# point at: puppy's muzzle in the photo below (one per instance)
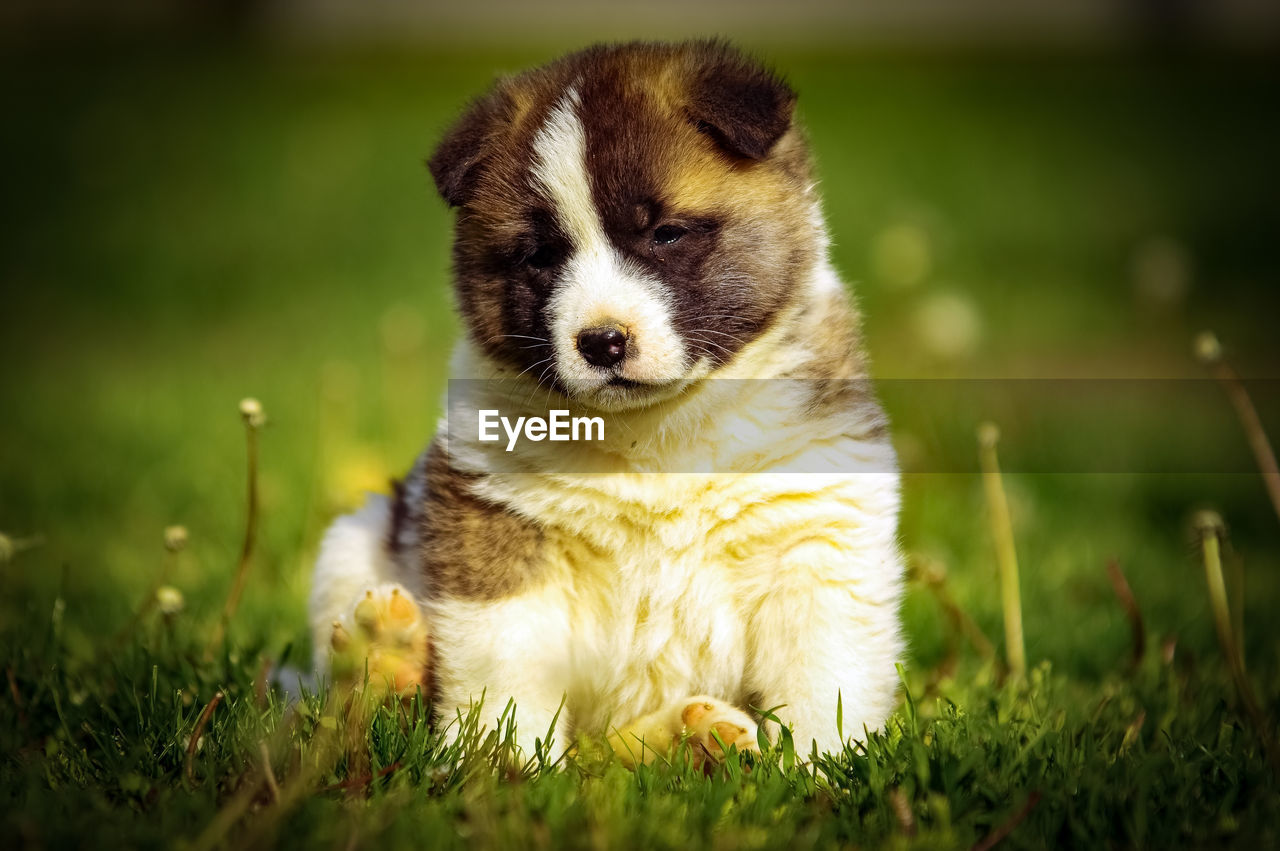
(604, 346)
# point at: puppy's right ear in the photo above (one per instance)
(464, 147)
(741, 104)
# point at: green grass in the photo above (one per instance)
(179, 231)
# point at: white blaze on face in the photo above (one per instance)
(597, 286)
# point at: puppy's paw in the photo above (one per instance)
(385, 636)
(712, 727)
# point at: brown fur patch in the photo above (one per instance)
(400, 513)
(471, 548)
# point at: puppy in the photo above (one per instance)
(638, 238)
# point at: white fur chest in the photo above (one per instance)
(661, 578)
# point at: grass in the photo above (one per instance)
(180, 231)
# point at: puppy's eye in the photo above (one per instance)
(544, 256)
(668, 234)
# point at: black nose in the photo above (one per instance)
(603, 346)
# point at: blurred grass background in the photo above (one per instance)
(188, 220)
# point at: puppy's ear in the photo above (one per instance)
(464, 147)
(739, 103)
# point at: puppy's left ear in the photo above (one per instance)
(464, 147)
(740, 103)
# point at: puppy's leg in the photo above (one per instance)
(385, 639)
(827, 634)
(708, 724)
(515, 649)
(360, 616)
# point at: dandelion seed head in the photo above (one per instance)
(251, 410)
(948, 325)
(175, 538)
(1207, 348)
(1207, 521)
(170, 600)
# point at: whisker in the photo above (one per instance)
(713, 331)
(517, 337)
(733, 338)
(537, 382)
(694, 334)
(714, 345)
(533, 366)
(728, 353)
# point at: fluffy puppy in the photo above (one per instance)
(638, 236)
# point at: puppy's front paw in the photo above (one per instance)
(386, 635)
(713, 726)
(710, 726)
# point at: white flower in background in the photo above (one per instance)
(169, 599)
(251, 411)
(1207, 348)
(948, 326)
(175, 538)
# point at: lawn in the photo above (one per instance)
(181, 229)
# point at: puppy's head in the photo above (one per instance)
(629, 217)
